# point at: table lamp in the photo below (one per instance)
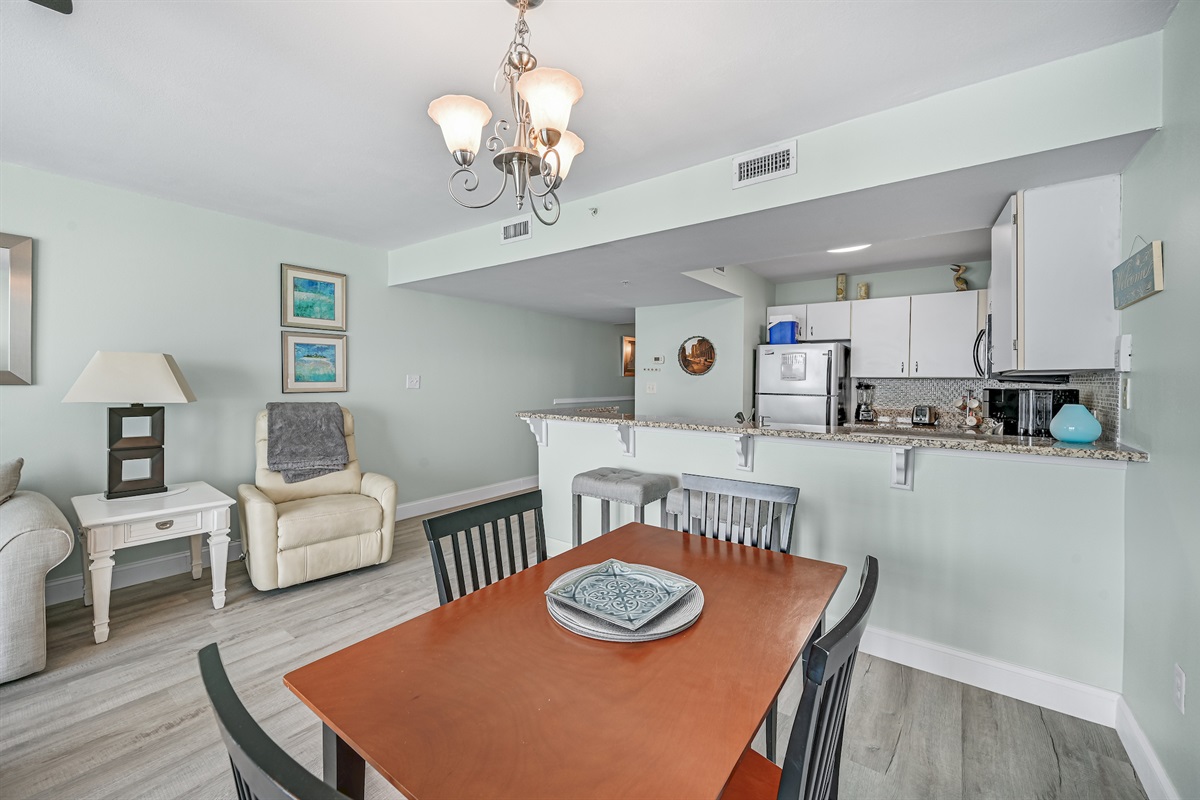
(135, 450)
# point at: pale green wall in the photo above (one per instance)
(661, 330)
(121, 271)
(899, 283)
(984, 555)
(1106, 92)
(735, 328)
(1161, 199)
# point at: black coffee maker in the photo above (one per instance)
(1027, 412)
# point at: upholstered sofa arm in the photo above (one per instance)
(383, 489)
(260, 533)
(27, 512)
(34, 536)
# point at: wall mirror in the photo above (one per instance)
(16, 309)
(697, 355)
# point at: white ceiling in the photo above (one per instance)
(312, 114)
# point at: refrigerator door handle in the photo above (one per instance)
(828, 372)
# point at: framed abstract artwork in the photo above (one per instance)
(312, 298)
(313, 362)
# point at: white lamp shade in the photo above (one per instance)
(567, 148)
(462, 119)
(550, 94)
(131, 378)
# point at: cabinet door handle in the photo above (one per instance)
(901, 367)
(810, 331)
(165, 524)
(916, 367)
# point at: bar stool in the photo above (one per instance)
(609, 484)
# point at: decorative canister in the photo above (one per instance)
(1074, 423)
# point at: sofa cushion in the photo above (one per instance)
(10, 478)
(321, 519)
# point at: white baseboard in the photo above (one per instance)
(431, 505)
(1145, 761)
(60, 590)
(1011, 680)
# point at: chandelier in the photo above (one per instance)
(542, 149)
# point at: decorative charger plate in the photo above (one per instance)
(628, 595)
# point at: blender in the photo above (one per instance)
(863, 411)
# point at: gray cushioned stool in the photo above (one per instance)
(614, 484)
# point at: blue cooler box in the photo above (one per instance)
(784, 333)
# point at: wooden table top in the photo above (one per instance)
(488, 697)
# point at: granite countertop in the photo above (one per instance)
(879, 433)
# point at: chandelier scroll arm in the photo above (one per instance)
(550, 202)
(549, 176)
(470, 184)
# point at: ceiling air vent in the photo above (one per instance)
(514, 230)
(764, 164)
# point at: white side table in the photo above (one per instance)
(105, 526)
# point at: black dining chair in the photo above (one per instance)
(261, 768)
(812, 762)
(482, 536)
(754, 514)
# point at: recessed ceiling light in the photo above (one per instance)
(850, 249)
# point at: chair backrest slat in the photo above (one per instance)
(261, 769)
(811, 763)
(732, 510)
(487, 532)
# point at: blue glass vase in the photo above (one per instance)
(1074, 423)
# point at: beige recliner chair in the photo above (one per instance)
(297, 532)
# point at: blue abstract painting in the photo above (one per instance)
(313, 299)
(315, 363)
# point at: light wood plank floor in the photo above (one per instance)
(129, 719)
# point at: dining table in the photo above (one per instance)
(488, 697)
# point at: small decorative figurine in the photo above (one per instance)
(841, 287)
(960, 283)
(864, 291)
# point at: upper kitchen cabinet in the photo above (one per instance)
(944, 334)
(828, 321)
(819, 322)
(1050, 291)
(879, 344)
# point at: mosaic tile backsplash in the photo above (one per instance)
(1099, 391)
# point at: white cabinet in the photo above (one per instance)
(828, 321)
(943, 332)
(879, 338)
(1051, 281)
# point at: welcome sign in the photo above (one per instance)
(1139, 276)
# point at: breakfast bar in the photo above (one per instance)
(1012, 550)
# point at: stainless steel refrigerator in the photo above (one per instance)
(802, 386)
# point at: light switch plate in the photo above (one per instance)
(412, 381)
(651, 388)
(1123, 359)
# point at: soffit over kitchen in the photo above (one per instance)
(937, 219)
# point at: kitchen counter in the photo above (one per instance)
(892, 434)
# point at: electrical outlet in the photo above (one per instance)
(651, 388)
(1126, 393)
(1180, 687)
(412, 381)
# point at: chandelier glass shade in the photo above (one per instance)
(539, 157)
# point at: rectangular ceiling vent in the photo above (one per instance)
(514, 230)
(764, 164)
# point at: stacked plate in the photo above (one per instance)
(619, 602)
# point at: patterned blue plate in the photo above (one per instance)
(629, 595)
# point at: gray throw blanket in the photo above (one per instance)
(305, 440)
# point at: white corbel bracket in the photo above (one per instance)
(625, 439)
(743, 449)
(902, 468)
(540, 428)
